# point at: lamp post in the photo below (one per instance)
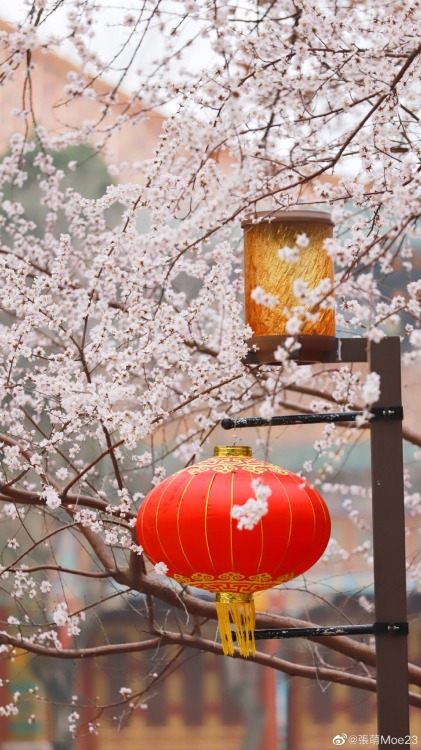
(318, 344)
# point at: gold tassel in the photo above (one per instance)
(237, 609)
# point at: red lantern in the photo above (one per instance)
(186, 522)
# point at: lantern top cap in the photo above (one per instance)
(271, 217)
(232, 450)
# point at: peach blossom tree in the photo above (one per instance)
(121, 326)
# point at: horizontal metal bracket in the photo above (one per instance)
(376, 414)
(376, 628)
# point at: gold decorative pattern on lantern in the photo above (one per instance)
(230, 577)
(227, 465)
(232, 582)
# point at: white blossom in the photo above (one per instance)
(250, 513)
(51, 497)
(11, 510)
(161, 568)
(300, 289)
(266, 299)
(12, 456)
(302, 240)
(73, 718)
(60, 614)
(370, 390)
(293, 325)
(62, 473)
(289, 254)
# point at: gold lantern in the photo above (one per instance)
(264, 235)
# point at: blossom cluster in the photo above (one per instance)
(249, 513)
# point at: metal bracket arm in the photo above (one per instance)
(377, 414)
(376, 628)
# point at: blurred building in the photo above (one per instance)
(184, 698)
(131, 141)
(330, 708)
(29, 729)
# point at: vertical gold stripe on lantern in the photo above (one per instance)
(158, 507)
(279, 566)
(232, 520)
(178, 521)
(310, 500)
(261, 530)
(206, 520)
(262, 545)
(263, 268)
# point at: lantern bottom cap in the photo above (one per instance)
(226, 597)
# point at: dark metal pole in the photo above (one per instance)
(289, 419)
(387, 512)
(392, 628)
(395, 412)
(389, 545)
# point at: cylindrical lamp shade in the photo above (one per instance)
(263, 268)
(186, 522)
